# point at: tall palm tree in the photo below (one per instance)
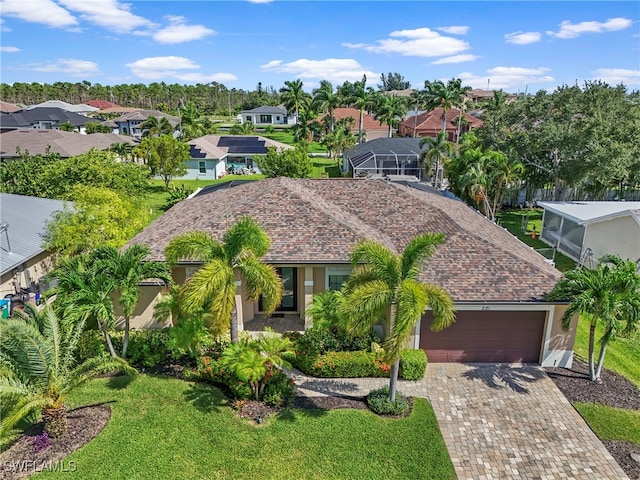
(437, 94)
(439, 150)
(507, 171)
(84, 293)
(293, 97)
(39, 369)
(608, 295)
(213, 286)
(390, 109)
(127, 269)
(325, 99)
(362, 98)
(476, 181)
(385, 284)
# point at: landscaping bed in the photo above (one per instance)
(616, 392)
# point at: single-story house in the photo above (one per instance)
(81, 108)
(429, 124)
(371, 127)
(213, 156)
(66, 144)
(129, 123)
(43, 118)
(498, 283)
(23, 260)
(267, 115)
(385, 156)
(585, 231)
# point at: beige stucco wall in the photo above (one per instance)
(619, 235)
(560, 339)
(319, 280)
(25, 274)
(143, 314)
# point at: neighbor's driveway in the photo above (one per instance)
(498, 421)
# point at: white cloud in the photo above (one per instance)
(171, 67)
(507, 77)
(108, 14)
(70, 66)
(573, 30)
(615, 76)
(468, 57)
(332, 69)
(420, 42)
(46, 12)
(7, 49)
(180, 32)
(455, 29)
(522, 38)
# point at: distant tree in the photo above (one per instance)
(24, 177)
(154, 127)
(244, 128)
(67, 127)
(97, 127)
(341, 138)
(608, 295)
(439, 150)
(294, 97)
(390, 109)
(359, 96)
(393, 81)
(124, 150)
(99, 216)
(289, 163)
(165, 156)
(437, 94)
(325, 99)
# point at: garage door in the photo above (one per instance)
(485, 337)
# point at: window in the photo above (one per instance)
(265, 118)
(202, 167)
(336, 277)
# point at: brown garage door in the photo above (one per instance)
(485, 337)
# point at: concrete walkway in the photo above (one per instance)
(498, 421)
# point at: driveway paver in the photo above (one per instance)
(498, 421)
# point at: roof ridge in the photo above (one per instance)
(464, 227)
(332, 210)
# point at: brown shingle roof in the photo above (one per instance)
(432, 120)
(368, 122)
(320, 220)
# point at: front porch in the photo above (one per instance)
(279, 322)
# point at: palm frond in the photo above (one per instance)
(444, 312)
(21, 409)
(365, 305)
(194, 246)
(246, 234)
(384, 264)
(417, 252)
(261, 279)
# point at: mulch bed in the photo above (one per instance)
(21, 460)
(613, 391)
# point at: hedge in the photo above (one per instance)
(413, 364)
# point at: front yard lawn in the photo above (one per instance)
(168, 428)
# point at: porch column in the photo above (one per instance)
(308, 296)
(238, 300)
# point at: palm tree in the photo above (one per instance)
(390, 109)
(304, 127)
(293, 97)
(439, 95)
(123, 150)
(507, 171)
(39, 368)
(385, 283)
(608, 295)
(476, 181)
(325, 99)
(361, 97)
(440, 149)
(154, 127)
(214, 285)
(84, 293)
(127, 269)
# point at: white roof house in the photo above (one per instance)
(589, 230)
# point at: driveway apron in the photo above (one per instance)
(498, 421)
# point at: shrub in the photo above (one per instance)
(147, 348)
(279, 389)
(190, 337)
(343, 365)
(319, 340)
(378, 401)
(90, 345)
(413, 364)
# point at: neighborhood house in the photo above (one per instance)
(498, 283)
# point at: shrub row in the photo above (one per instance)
(413, 364)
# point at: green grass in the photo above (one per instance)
(286, 136)
(622, 353)
(167, 428)
(611, 423)
(512, 220)
(325, 167)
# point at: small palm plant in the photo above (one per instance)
(38, 367)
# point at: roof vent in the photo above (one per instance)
(4, 227)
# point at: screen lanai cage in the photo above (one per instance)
(370, 164)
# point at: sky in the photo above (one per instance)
(522, 46)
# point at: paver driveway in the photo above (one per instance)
(498, 422)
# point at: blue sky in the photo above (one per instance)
(516, 46)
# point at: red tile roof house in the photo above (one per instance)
(371, 127)
(498, 283)
(429, 124)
